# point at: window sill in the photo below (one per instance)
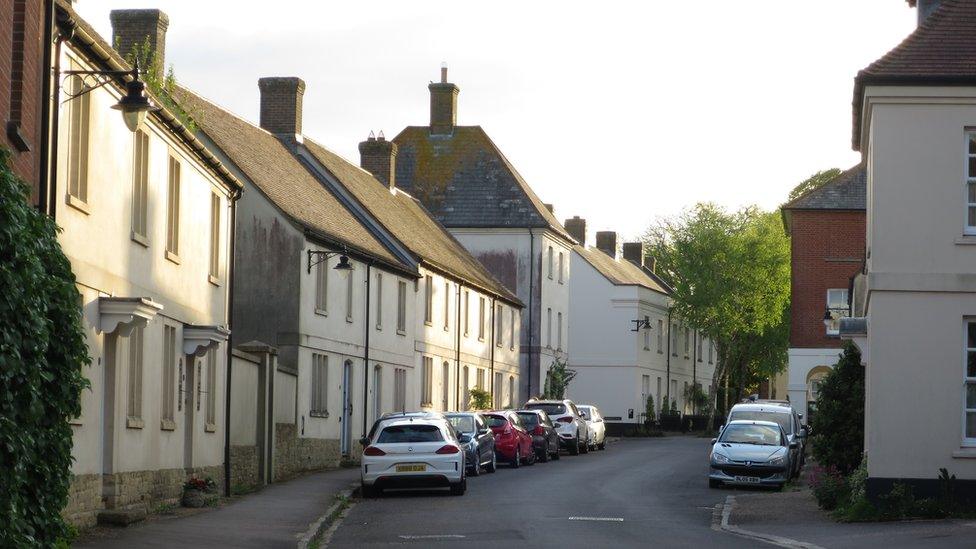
(167, 425)
(447, 328)
(481, 339)
(660, 352)
(173, 257)
(966, 452)
(213, 280)
(349, 319)
(320, 414)
(134, 423)
(77, 204)
(966, 240)
(379, 327)
(647, 348)
(401, 332)
(428, 323)
(139, 239)
(210, 428)
(75, 422)
(321, 312)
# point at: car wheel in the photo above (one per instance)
(712, 483)
(531, 459)
(574, 448)
(367, 492)
(476, 470)
(493, 464)
(459, 488)
(555, 454)
(544, 456)
(517, 461)
(585, 447)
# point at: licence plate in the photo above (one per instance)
(747, 480)
(416, 468)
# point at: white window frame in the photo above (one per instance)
(446, 385)
(427, 383)
(379, 301)
(550, 262)
(969, 185)
(319, 406)
(467, 310)
(969, 346)
(134, 370)
(497, 389)
(429, 300)
(838, 309)
(480, 378)
(447, 305)
(401, 307)
(660, 336)
(140, 187)
(79, 137)
(481, 318)
(399, 390)
(560, 267)
(559, 331)
(499, 325)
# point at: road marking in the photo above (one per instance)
(724, 526)
(434, 536)
(598, 519)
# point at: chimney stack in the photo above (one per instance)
(925, 8)
(281, 105)
(576, 227)
(134, 28)
(549, 207)
(378, 157)
(443, 105)
(634, 252)
(606, 242)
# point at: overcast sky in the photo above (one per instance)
(616, 111)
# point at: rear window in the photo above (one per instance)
(782, 418)
(551, 408)
(529, 419)
(410, 433)
(462, 424)
(496, 421)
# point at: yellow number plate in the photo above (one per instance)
(411, 468)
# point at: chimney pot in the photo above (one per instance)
(378, 157)
(443, 105)
(606, 242)
(281, 104)
(132, 29)
(634, 252)
(576, 227)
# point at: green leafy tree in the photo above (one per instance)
(558, 378)
(815, 181)
(839, 421)
(730, 275)
(649, 415)
(161, 85)
(42, 352)
(480, 399)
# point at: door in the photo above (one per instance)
(192, 401)
(377, 391)
(346, 419)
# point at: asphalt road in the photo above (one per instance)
(637, 493)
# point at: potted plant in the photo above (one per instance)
(195, 491)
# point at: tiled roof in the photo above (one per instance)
(285, 181)
(847, 191)
(941, 51)
(619, 273)
(407, 220)
(466, 181)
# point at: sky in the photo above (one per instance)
(617, 111)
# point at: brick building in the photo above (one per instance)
(826, 228)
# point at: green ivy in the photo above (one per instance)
(42, 352)
(558, 378)
(162, 86)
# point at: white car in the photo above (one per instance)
(594, 420)
(571, 428)
(413, 452)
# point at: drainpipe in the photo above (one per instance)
(230, 340)
(491, 360)
(47, 93)
(531, 307)
(694, 368)
(667, 387)
(457, 349)
(369, 266)
(51, 181)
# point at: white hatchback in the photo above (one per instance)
(598, 429)
(413, 453)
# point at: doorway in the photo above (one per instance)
(345, 436)
(189, 416)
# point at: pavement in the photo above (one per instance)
(277, 516)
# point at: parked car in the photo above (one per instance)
(413, 452)
(594, 420)
(545, 441)
(782, 414)
(571, 428)
(477, 441)
(397, 415)
(512, 443)
(751, 453)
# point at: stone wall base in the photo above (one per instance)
(295, 455)
(244, 468)
(84, 500)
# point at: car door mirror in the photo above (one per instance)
(483, 431)
(714, 440)
(464, 438)
(364, 441)
(794, 446)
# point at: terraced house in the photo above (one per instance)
(464, 180)
(146, 215)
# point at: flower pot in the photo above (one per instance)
(193, 498)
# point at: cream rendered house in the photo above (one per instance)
(146, 219)
(915, 306)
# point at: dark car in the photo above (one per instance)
(477, 441)
(545, 440)
(512, 443)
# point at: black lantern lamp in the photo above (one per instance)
(134, 104)
(318, 256)
(828, 317)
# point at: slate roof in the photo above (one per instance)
(466, 181)
(283, 180)
(622, 272)
(847, 191)
(407, 220)
(941, 51)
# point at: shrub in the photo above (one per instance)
(558, 378)
(829, 487)
(649, 410)
(480, 399)
(839, 421)
(42, 351)
(898, 503)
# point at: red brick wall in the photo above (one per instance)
(827, 250)
(21, 71)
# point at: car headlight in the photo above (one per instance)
(779, 460)
(719, 458)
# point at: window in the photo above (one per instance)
(481, 318)
(400, 390)
(711, 349)
(674, 340)
(447, 306)
(687, 341)
(837, 307)
(140, 186)
(466, 382)
(322, 287)
(499, 325)
(214, 237)
(645, 389)
(169, 377)
(549, 328)
(377, 391)
(211, 419)
(173, 211)
(428, 300)
(427, 384)
(560, 267)
(647, 333)
(133, 409)
(320, 385)
(480, 379)
(511, 391)
(446, 386)
(498, 388)
(379, 301)
(674, 392)
(79, 127)
(698, 351)
(511, 328)
(660, 336)
(971, 183)
(969, 385)
(550, 263)
(349, 289)
(559, 331)
(467, 310)
(401, 307)
(657, 394)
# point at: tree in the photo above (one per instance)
(730, 276)
(480, 399)
(839, 420)
(815, 181)
(42, 352)
(558, 378)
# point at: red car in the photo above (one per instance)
(512, 442)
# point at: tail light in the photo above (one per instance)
(538, 430)
(373, 451)
(448, 449)
(565, 419)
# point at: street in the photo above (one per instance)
(635, 493)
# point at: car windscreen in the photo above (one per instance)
(765, 435)
(782, 418)
(410, 433)
(462, 424)
(496, 421)
(551, 408)
(529, 419)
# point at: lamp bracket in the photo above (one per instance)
(641, 323)
(320, 256)
(92, 80)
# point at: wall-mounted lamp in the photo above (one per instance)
(134, 104)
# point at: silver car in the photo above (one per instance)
(782, 414)
(751, 453)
